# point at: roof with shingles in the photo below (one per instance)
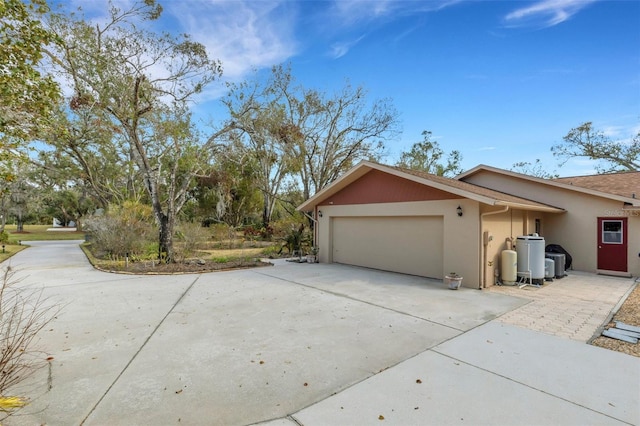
(479, 190)
(467, 190)
(625, 184)
(615, 187)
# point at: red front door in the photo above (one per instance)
(612, 244)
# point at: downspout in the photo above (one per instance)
(485, 242)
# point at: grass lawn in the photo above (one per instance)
(10, 250)
(40, 233)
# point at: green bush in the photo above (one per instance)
(4, 237)
(271, 251)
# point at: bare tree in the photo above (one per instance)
(263, 135)
(307, 135)
(585, 141)
(535, 169)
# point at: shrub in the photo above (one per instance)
(219, 231)
(283, 227)
(271, 251)
(24, 312)
(296, 240)
(123, 230)
(250, 232)
(4, 237)
(192, 236)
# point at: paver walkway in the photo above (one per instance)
(573, 307)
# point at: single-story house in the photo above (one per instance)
(405, 221)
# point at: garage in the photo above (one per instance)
(406, 244)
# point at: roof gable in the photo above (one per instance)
(379, 187)
(447, 185)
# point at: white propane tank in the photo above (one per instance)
(549, 269)
(530, 249)
(509, 266)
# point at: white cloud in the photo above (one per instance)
(546, 13)
(612, 131)
(351, 12)
(243, 35)
(340, 49)
(363, 16)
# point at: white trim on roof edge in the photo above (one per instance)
(481, 167)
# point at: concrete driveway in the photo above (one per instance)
(303, 344)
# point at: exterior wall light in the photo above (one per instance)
(459, 210)
(320, 213)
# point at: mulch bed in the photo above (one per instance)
(187, 267)
(629, 313)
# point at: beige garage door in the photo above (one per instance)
(411, 245)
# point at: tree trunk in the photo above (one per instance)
(20, 224)
(266, 211)
(165, 246)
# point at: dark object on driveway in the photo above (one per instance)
(556, 248)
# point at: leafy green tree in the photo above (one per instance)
(229, 193)
(586, 141)
(68, 205)
(140, 84)
(18, 194)
(85, 151)
(26, 95)
(427, 156)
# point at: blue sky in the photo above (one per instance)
(500, 81)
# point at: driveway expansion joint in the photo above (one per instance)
(135, 355)
(345, 296)
(521, 383)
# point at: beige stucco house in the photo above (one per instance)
(388, 218)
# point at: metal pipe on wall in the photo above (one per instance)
(482, 283)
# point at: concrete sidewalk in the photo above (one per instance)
(494, 374)
(309, 344)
